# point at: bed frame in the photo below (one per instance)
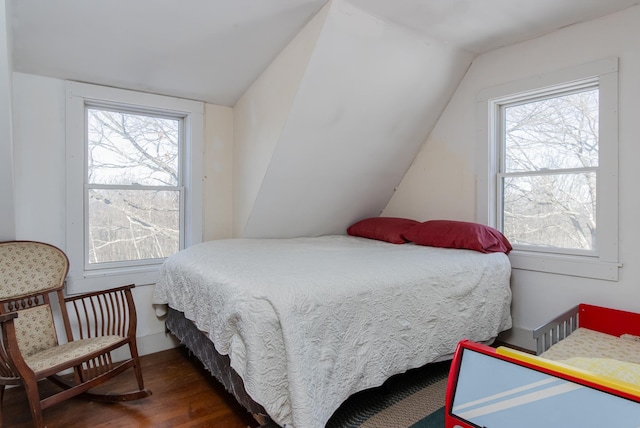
(502, 387)
(605, 320)
(217, 364)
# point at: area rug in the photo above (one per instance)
(411, 400)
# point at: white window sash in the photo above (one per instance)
(603, 264)
(89, 267)
(81, 95)
(500, 213)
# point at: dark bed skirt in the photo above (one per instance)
(218, 365)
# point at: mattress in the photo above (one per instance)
(600, 353)
(306, 322)
(586, 343)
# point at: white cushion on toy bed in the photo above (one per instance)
(593, 344)
(619, 370)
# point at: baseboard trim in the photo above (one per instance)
(149, 344)
(156, 342)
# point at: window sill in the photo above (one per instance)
(585, 267)
(109, 278)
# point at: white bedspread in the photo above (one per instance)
(307, 322)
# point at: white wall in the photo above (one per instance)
(39, 157)
(261, 114)
(442, 181)
(370, 94)
(39, 175)
(7, 215)
(218, 178)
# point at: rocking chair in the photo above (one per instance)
(30, 351)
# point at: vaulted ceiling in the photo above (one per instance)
(363, 97)
(212, 50)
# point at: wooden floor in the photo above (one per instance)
(184, 395)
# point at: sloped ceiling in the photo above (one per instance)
(482, 26)
(207, 50)
(212, 50)
(379, 75)
(369, 95)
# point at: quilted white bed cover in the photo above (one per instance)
(307, 322)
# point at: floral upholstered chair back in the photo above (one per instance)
(29, 271)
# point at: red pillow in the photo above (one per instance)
(458, 234)
(387, 229)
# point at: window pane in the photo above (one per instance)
(551, 210)
(126, 148)
(133, 224)
(554, 133)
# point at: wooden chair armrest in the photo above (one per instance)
(11, 359)
(99, 292)
(102, 313)
(7, 317)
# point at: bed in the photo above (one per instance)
(588, 360)
(306, 322)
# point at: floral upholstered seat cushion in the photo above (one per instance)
(66, 352)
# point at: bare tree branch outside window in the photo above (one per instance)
(550, 171)
(133, 186)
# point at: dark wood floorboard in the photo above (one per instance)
(184, 395)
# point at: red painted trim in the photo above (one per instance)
(452, 422)
(609, 321)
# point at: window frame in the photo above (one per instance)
(501, 105)
(79, 97)
(602, 263)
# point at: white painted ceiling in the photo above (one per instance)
(212, 50)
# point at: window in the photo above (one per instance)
(133, 183)
(551, 170)
(548, 170)
(134, 190)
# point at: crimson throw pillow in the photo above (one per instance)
(387, 229)
(458, 234)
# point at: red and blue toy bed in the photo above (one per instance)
(501, 387)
